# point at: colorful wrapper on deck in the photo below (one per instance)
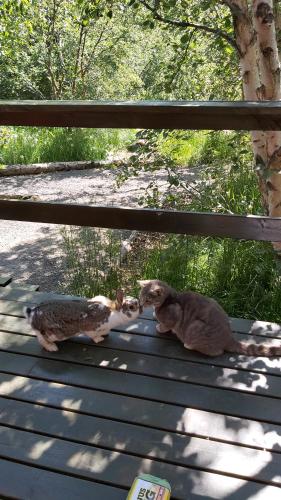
(146, 487)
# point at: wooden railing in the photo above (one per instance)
(160, 115)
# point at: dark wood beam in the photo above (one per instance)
(163, 221)
(212, 115)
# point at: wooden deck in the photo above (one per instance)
(82, 423)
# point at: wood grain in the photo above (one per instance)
(154, 220)
(24, 482)
(165, 347)
(212, 374)
(5, 280)
(140, 441)
(148, 414)
(146, 388)
(251, 327)
(215, 115)
(119, 469)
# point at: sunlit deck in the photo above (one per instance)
(82, 423)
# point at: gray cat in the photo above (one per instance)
(198, 321)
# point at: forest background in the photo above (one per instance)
(150, 50)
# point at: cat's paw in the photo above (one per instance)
(162, 329)
(98, 339)
(51, 347)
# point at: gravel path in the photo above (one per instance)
(31, 252)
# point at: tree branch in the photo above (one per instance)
(90, 57)
(187, 24)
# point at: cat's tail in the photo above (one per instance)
(252, 349)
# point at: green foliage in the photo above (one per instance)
(115, 50)
(231, 190)
(183, 148)
(229, 183)
(191, 148)
(33, 145)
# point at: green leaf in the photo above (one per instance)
(147, 23)
(184, 38)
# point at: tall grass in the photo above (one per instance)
(242, 276)
(33, 145)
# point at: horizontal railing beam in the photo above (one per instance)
(192, 115)
(163, 221)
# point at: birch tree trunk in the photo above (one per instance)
(254, 27)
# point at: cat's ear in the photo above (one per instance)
(143, 283)
(119, 298)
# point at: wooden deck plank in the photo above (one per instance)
(236, 403)
(25, 286)
(166, 348)
(22, 295)
(142, 402)
(5, 280)
(118, 468)
(139, 326)
(184, 394)
(256, 328)
(187, 421)
(126, 438)
(25, 482)
(186, 371)
(14, 307)
(10, 362)
(142, 327)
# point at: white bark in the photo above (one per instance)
(268, 60)
(254, 26)
(252, 88)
